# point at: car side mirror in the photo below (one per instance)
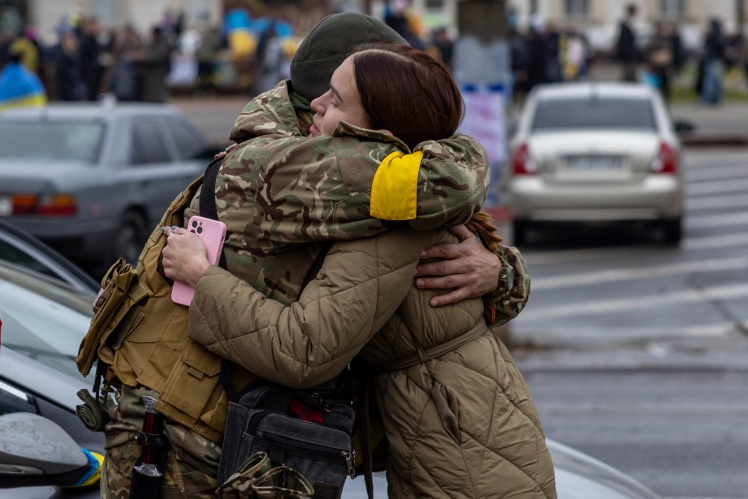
(35, 451)
(682, 126)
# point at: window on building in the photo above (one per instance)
(672, 9)
(434, 4)
(577, 8)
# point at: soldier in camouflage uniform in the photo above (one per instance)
(268, 262)
(442, 378)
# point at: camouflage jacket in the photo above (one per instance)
(279, 188)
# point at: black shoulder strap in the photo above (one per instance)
(208, 209)
(208, 191)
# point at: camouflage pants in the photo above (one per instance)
(192, 460)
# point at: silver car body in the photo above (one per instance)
(84, 177)
(21, 248)
(43, 323)
(595, 152)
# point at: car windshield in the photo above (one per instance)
(45, 139)
(597, 112)
(47, 325)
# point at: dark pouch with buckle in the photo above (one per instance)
(300, 429)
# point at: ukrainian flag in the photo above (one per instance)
(20, 87)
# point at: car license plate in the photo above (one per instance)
(6, 206)
(593, 163)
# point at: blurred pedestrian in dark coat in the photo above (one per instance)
(659, 58)
(713, 69)
(69, 84)
(154, 67)
(626, 50)
(90, 57)
(543, 64)
(125, 80)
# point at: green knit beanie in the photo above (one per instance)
(328, 44)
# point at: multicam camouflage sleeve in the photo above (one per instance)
(301, 189)
(513, 290)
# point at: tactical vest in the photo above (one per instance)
(141, 336)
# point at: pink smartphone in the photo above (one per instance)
(212, 232)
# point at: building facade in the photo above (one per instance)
(598, 18)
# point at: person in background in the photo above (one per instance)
(519, 51)
(211, 42)
(444, 46)
(269, 60)
(713, 65)
(26, 47)
(90, 57)
(543, 48)
(659, 59)
(125, 80)
(575, 55)
(677, 49)
(69, 85)
(154, 67)
(626, 51)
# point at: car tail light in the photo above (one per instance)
(56, 205)
(522, 163)
(666, 161)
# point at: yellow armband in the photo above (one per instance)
(395, 186)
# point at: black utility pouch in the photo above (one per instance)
(299, 429)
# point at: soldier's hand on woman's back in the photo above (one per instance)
(468, 268)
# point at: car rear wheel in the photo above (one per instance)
(672, 231)
(129, 238)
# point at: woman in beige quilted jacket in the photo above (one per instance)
(458, 417)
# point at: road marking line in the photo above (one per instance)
(716, 172)
(706, 203)
(718, 186)
(594, 334)
(638, 303)
(628, 274)
(719, 220)
(708, 242)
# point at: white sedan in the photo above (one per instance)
(595, 152)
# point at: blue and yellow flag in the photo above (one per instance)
(20, 87)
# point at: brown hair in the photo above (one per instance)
(407, 92)
(481, 224)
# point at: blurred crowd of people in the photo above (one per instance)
(542, 53)
(87, 61)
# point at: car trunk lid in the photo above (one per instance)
(594, 156)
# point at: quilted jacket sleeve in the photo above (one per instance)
(359, 287)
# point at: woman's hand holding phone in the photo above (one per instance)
(188, 253)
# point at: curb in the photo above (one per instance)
(713, 140)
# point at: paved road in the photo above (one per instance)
(632, 383)
(637, 353)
